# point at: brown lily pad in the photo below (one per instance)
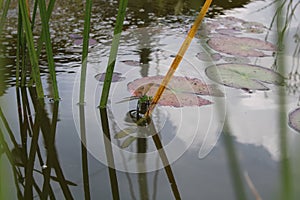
(181, 91)
(240, 46)
(133, 63)
(294, 119)
(116, 77)
(208, 58)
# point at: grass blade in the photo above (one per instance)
(285, 165)
(85, 48)
(113, 53)
(4, 14)
(46, 36)
(32, 52)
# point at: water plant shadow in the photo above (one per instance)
(25, 154)
(140, 158)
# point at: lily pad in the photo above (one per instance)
(133, 63)
(243, 76)
(240, 46)
(253, 27)
(115, 78)
(181, 91)
(294, 119)
(236, 59)
(225, 31)
(206, 58)
(79, 42)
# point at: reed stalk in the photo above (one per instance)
(113, 53)
(285, 165)
(109, 154)
(31, 49)
(233, 164)
(19, 50)
(4, 14)
(46, 37)
(85, 48)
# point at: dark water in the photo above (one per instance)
(74, 162)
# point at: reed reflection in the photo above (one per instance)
(29, 163)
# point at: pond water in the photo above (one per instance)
(69, 158)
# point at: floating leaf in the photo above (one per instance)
(229, 21)
(243, 76)
(236, 59)
(79, 42)
(294, 119)
(75, 36)
(128, 141)
(240, 46)
(230, 26)
(253, 27)
(207, 58)
(131, 62)
(225, 31)
(115, 78)
(181, 91)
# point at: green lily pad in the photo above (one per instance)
(243, 76)
(294, 119)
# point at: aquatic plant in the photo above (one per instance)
(113, 53)
(26, 47)
(85, 46)
(244, 76)
(179, 56)
(48, 45)
(207, 58)
(25, 26)
(116, 77)
(133, 63)
(78, 39)
(240, 46)
(294, 119)
(181, 91)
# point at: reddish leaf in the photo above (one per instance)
(181, 91)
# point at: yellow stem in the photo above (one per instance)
(178, 57)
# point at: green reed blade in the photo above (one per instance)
(34, 14)
(21, 52)
(285, 164)
(234, 166)
(48, 44)
(48, 14)
(85, 49)
(4, 14)
(31, 49)
(113, 52)
(18, 52)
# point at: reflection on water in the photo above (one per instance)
(49, 156)
(34, 162)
